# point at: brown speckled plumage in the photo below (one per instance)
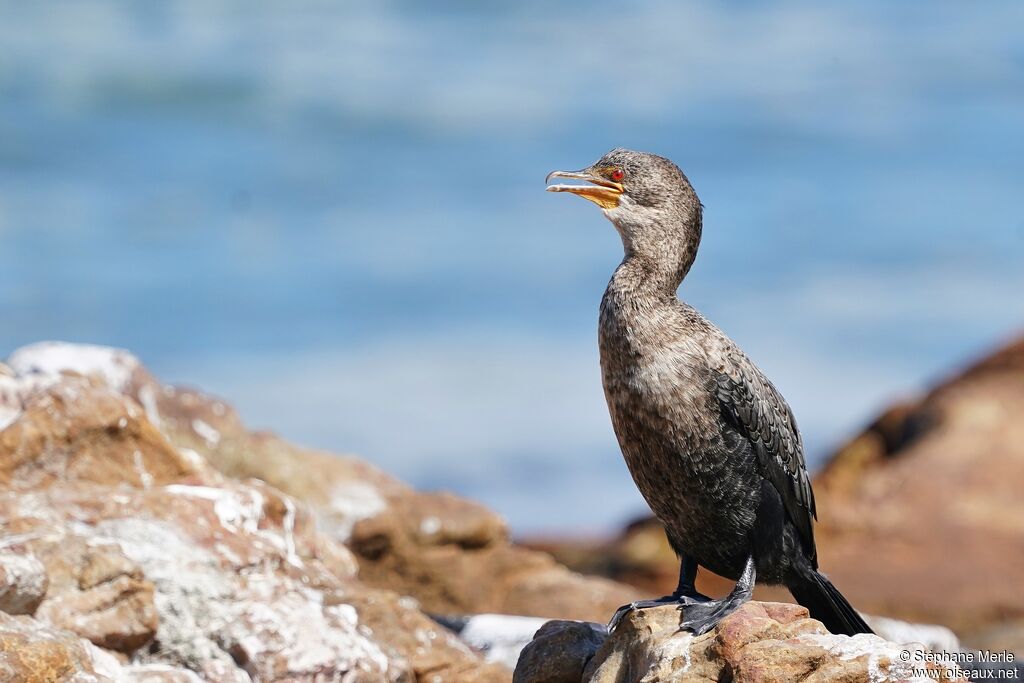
(711, 444)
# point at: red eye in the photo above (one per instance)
(617, 174)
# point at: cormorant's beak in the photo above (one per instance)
(604, 193)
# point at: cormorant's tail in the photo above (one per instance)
(826, 603)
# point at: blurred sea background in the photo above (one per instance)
(332, 214)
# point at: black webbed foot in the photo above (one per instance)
(700, 613)
(685, 602)
(701, 617)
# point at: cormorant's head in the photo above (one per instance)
(647, 198)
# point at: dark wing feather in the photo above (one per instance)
(760, 414)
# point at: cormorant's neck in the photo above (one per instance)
(658, 258)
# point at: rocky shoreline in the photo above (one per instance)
(147, 535)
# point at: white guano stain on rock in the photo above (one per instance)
(930, 636)
(676, 647)
(145, 478)
(157, 673)
(206, 432)
(288, 533)
(885, 663)
(14, 391)
(49, 359)
(193, 597)
(232, 510)
(23, 582)
(350, 502)
(147, 397)
(286, 629)
(430, 525)
(193, 458)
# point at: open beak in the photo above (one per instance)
(604, 193)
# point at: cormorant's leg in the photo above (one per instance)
(686, 589)
(684, 594)
(702, 617)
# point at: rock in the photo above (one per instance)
(97, 593)
(233, 585)
(188, 574)
(50, 361)
(279, 631)
(559, 652)
(948, 466)
(760, 642)
(23, 583)
(469, 569)
(31, 652)
(74, 429)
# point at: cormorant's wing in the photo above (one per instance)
(759, 413)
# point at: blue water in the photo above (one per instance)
(334, 216)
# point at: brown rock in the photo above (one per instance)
(149, 551)
(450, 578)
(933, 488)
(23, 583)
(77, 430)
(31, 652)
(96, 592)
(238, 586)
(117, 615)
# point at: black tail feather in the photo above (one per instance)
(827, 604)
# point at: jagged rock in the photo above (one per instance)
(97, 593)
(452, 558)
(760, 642)
(23, 583)
(75, 429)
(938, 476)
(32, 652)
(155, 554)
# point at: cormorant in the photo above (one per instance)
(710, 442)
